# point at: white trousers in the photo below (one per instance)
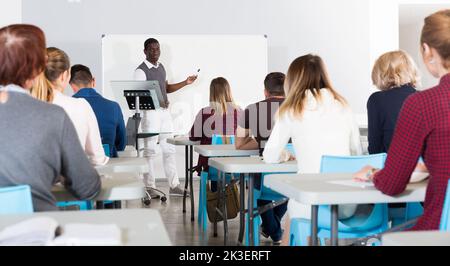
(159, 121)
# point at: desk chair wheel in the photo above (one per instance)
(146, 201)
(153, 193)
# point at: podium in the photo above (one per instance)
(139, 96)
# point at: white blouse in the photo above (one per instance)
(325, 128)
(85, 122)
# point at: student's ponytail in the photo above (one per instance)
(42, 89)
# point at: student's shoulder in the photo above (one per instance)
(51, 115)
(377, 96)
(44, 109)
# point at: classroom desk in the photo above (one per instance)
(228, 150)
(245, 166)
(129, 152)
(124, 165)
(316, 189)
(188, 164)
(140, 227)
(115, 187)
(424, 238)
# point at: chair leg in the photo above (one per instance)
(300, 231)
(200, 201)
(202, 212)
(256, 225)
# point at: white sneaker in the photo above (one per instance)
(178, 192)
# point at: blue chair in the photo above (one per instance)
(16, 200)
(445, 218)
(211, 175)
(107, 150)
(263, 193)
(355, 226)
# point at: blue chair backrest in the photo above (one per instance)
(221, 139)
(445, 218)
(107, 150)
(16, 200)
(350, 164)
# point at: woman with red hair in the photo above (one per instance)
(38, 141)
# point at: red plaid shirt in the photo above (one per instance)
(423, 129)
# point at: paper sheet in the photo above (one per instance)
(352, 183)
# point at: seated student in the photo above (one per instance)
(319, 122)
(38, 140)
(50, 87)
(254, 127)
(423, 129)
(219, 118)
(108, 113)
(395, 74)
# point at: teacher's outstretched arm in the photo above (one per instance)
(174, 87)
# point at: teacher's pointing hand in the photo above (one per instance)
(191, 79)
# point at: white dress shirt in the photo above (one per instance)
(85, 122)
(139, 74)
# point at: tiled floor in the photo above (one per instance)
(181, 230)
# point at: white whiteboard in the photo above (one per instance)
(241, 59)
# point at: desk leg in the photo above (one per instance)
(242, 209)
(334, 225)
(314, 224)
(250, 211)
(191, 182)
(117, 204)
(186, 181)
(224, 207)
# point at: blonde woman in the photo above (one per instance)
(319, 122)
(422, 129)
(50, 87)
(219, 118)
(395, 75)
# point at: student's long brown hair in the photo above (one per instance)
(436, 33)
(306, 73)
(58, 62)
(220, 97)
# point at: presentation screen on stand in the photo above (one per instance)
(241, 59)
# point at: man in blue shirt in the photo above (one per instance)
(108, 113)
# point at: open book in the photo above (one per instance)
(44, 231)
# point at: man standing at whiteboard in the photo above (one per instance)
(159, 120)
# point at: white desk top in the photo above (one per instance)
(250, 165)
(116, 186)
(182, 141)
(130, 151)
(124, 165)
(228, 150)
(140, 227)
(425, 238)
(315, 189)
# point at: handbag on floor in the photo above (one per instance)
(232, 200)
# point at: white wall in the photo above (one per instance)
(10, 12)
(337, 30)
(411, 23)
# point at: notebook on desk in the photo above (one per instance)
(45, 231)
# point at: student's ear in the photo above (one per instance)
(94, 83)
(266, 93)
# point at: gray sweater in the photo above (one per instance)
(38, 144)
